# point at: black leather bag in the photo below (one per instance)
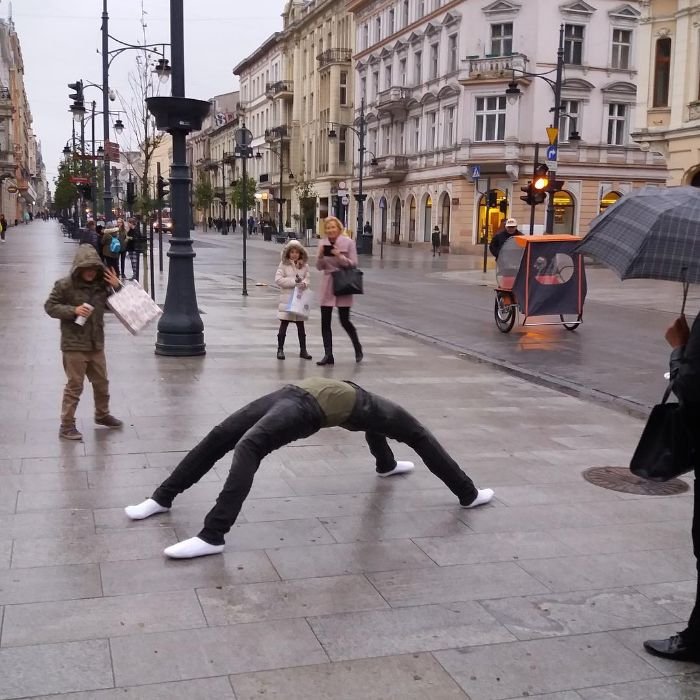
(665, 449)
(347, 280)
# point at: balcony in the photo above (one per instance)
(282, 89)
(393, 167)
(277, 133)
(6, 108)
(493, 67)
(395, 99)
(331, 56)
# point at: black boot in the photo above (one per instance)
(301, 332)
(327, 360)
(280, 347)
(303, 354)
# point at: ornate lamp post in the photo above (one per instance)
(290, 176)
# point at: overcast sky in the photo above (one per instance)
(60, 39)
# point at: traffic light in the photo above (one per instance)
(492, 198)
(77, 95)
(529, 194)
(540, 184)
(163, 188)
(130, 194)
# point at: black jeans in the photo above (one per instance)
(112, 263)
(327, 333)
(301, 333)
(692, 633)
(380, 419)
(257, 429)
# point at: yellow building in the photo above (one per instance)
(669, 87)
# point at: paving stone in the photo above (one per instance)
(44, 482)
(499, 546)
(376, 526)
(611, 570)
(411, 677)
(552, 615)
(82, 463)
(54, 668)
(49, 583)
(678, 597)
(406, 630)
(160, 574)
(553, 493)
(114, 546)
(676, 688)
(335, 559)
(214, 651)
(265, 509)
(121, 478)
(543, 666)
(91, 618)
(454, 583)
(204, 689)
(57, 522)
(5, 554)
(254, 602)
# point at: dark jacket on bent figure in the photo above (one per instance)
(499, 239)
(685, 367)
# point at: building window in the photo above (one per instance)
(342, 145)
(363, 87)
(343, 88)
(452, 54)
(405, 13)
(365, 36)
(621, 48)
(416, 134)
(570, 119)
(490, 118)
(402, 72)
(449, 136)
(402, 137)
(662, 72)
(388, 77)
(502, 39)
(373, 140)
(377, 29)
(617, 124)
(375, 85)
(434, 60)
(386, 140)
(432, 130)
(421, 8)
(392, 16)
(573, 44)
(418, 67)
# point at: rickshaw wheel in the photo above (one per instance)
(505, 317)
(570, 326)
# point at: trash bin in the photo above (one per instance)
(267, 232)
(364, 244)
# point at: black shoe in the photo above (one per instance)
(280, 354)
(674, 648)
(327, 360)
(359, 356)
(305, 355)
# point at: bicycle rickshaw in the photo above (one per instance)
(540, 276)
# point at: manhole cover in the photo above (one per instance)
(622, 479)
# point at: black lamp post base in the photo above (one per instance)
(180, 344)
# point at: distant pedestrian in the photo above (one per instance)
(25, 217)
(111, 248)
(79, 302)
(3, 227)
(336, 251)
(131, 235)
(367, 230)
(210, 220)
(124, 242)
(297, 411)
(91, 237)
(499, 239)
(292, 275)
(435, 239)
(233, 225)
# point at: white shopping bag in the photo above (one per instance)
(300, 302)
(133, 307)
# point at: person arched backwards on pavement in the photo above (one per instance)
(82, 341)
(294, 412)
(292, 275)
(499, 239)
(336, 250)
(685, 374)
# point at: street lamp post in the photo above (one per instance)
(180, 328)
(360, 197)
(280, 198)
(243, 150)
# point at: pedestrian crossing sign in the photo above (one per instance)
(476, 172)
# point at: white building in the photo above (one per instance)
(434, 76)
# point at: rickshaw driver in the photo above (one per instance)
(499, 239)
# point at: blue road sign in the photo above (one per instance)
(476, 172)
(552, 153)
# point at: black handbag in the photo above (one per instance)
(665, 449)
(347, 280)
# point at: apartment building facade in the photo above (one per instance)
(668, 121)
(434, 74)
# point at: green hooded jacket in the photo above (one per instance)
(73, 291)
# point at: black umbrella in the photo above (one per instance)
(652, 233)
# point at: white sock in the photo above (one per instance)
(145, 510)
(482, 496)
(194, 547)
(400, 468)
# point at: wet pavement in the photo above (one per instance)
(334, 584)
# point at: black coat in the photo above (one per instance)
(685, 367)
(499, 239)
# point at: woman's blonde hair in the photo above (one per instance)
(343, 232)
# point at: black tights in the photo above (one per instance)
(327, 333)
(282, 334)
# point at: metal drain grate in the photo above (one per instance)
(622, 479)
